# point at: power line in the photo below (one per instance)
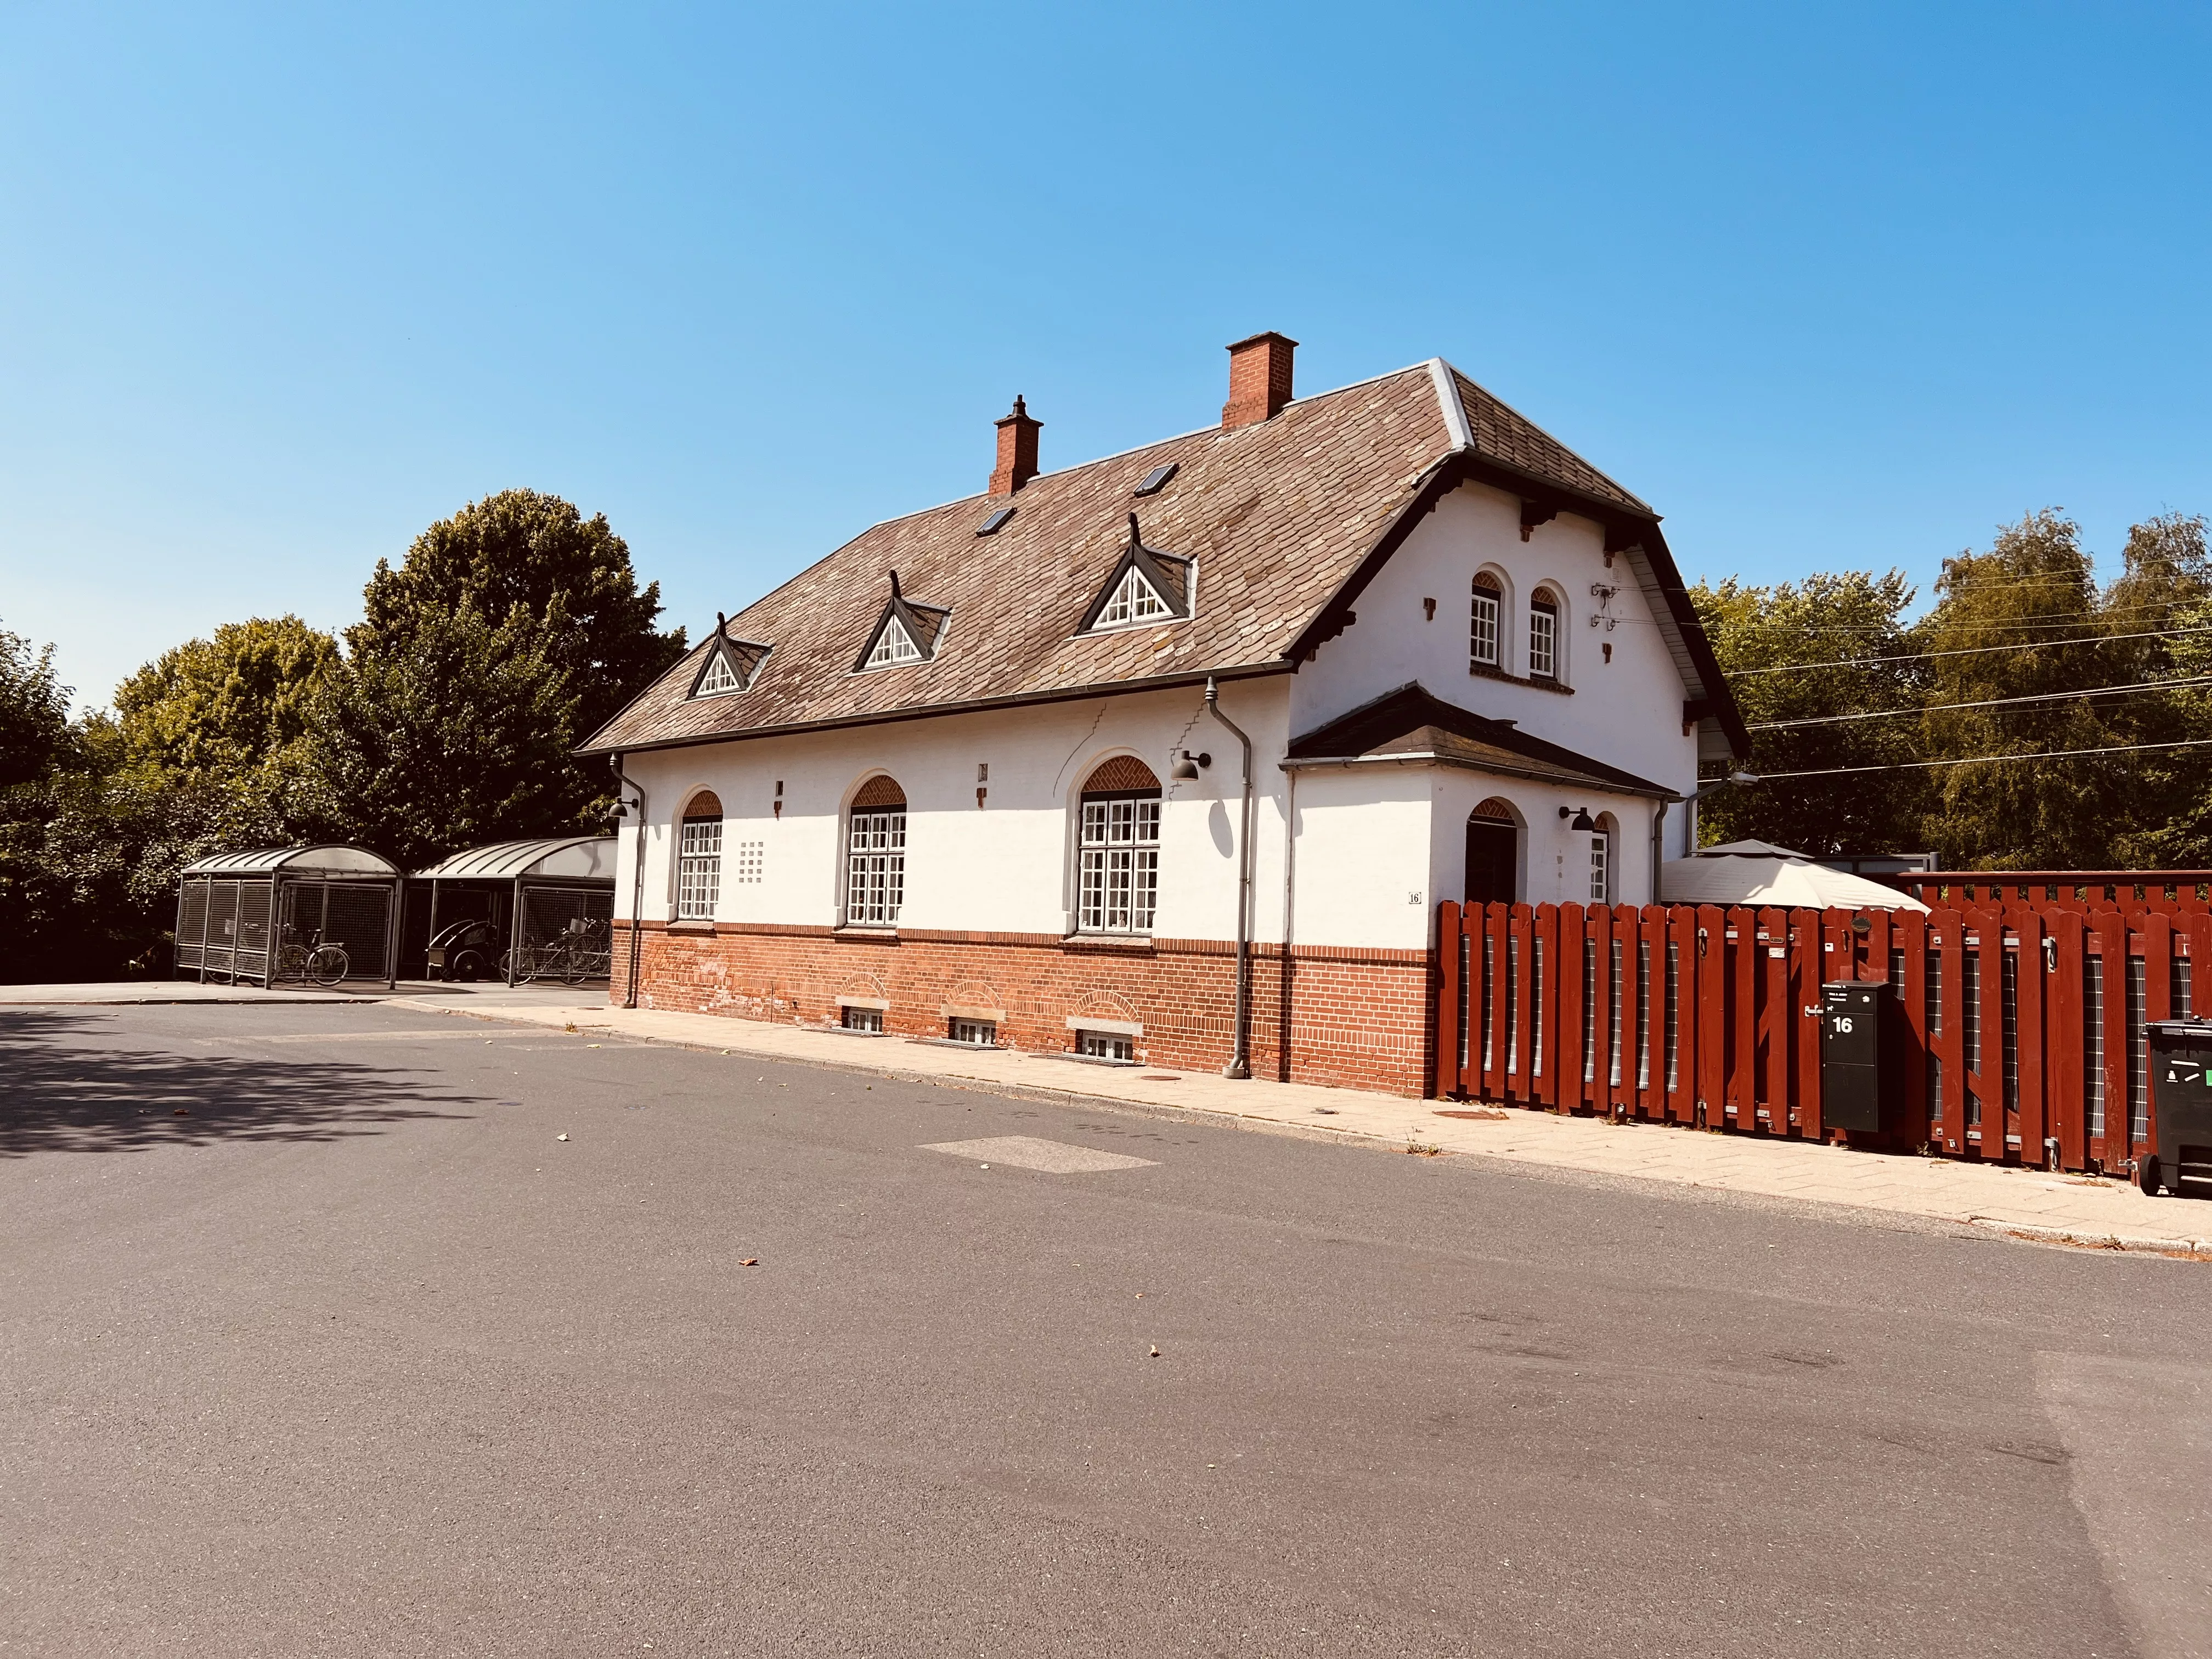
(1966, 651)
(1975, 760)
(1990, 702)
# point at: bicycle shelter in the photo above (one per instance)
(237, 913)
(551, 900)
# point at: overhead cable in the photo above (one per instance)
(1975, 759)
(1968, 650)
(2135, 689)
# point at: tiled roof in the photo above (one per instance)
(1411, 724)
(1281, 516)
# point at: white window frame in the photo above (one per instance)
(721, 680)
(698, 868)
(1115, 1046)
(1601, 872)
(980, 1033)
(894, 647)
(1117, 861)
(1486, 621)
(875, 866)
(1543, 637)
(1135, 602)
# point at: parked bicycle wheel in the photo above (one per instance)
(292, 963)
(329, 965)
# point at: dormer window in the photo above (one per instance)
(893, 646)
(729, 665)
(905, 632)
(1146, 586)
(1134, 601)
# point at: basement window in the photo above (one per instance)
(976, 1033)
(864, 1019)
(1106, 1045)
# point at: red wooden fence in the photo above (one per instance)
(2025, 1018)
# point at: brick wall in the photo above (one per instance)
(1354, 1018)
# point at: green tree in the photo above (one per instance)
(236, 701)
(455, 732)
(2168, 583)
(35, 724)
(568, 578)
(1807, 721)
(2034, 588)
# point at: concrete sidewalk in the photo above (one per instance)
(2030, 1203)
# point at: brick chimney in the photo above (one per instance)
(1259, 379)
(1017, 451)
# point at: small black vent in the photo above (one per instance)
(995, 523)
(1157, 479)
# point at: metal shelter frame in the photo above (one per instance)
(246, 893)
(580, 865)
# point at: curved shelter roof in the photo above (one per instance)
(1730, 879)
(571, 857)
(329, 860)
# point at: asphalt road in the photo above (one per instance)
(318, 1339)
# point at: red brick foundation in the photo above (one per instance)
(1353, 1018)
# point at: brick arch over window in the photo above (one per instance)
(881, 790)
(1121, 773)
(699, 858)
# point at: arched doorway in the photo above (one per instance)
(1493, 854)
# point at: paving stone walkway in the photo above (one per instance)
(2029, 1203)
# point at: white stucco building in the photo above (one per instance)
(960, 778)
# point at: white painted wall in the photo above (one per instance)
(1008, 866)
(1368, 838)
(1627, 712)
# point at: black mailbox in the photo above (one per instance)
(1860, 1051)
(2178, 1152)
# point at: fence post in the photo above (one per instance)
(1520, 1045)
(2066, 1101)
(2031, 983)
(1711, 967)
(1804, 988)
(1544, 987)
(1447, 1000)
(1568, 1076)
(2111, 930)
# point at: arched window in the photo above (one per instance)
(875, 858)
(1493, 854)
(1484, 620)
(1543, 635)
(1601, 860)
(699, 859)
(1118, 848)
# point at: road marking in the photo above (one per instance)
(1028, 1152)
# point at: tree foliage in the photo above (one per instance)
(447, 718)
(533, 561)
(454, 733)
(239, 700)
(2022, 655)
(1756, 631)
(35, 725)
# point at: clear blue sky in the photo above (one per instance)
(1829, 287)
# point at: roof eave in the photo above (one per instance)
(595, 748)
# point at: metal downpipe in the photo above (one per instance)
(1240, 1059)
(637, 881)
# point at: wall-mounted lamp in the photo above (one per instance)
(1186, 764)
(1583, 824)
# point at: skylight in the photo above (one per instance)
(996, 522)
(1134, 601)
(718, 680)
(893, 646)
(1157, 479)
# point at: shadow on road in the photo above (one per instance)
(61, 1094)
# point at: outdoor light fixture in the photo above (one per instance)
(1185, 766)
(1584, 825)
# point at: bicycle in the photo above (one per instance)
(325, 962)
